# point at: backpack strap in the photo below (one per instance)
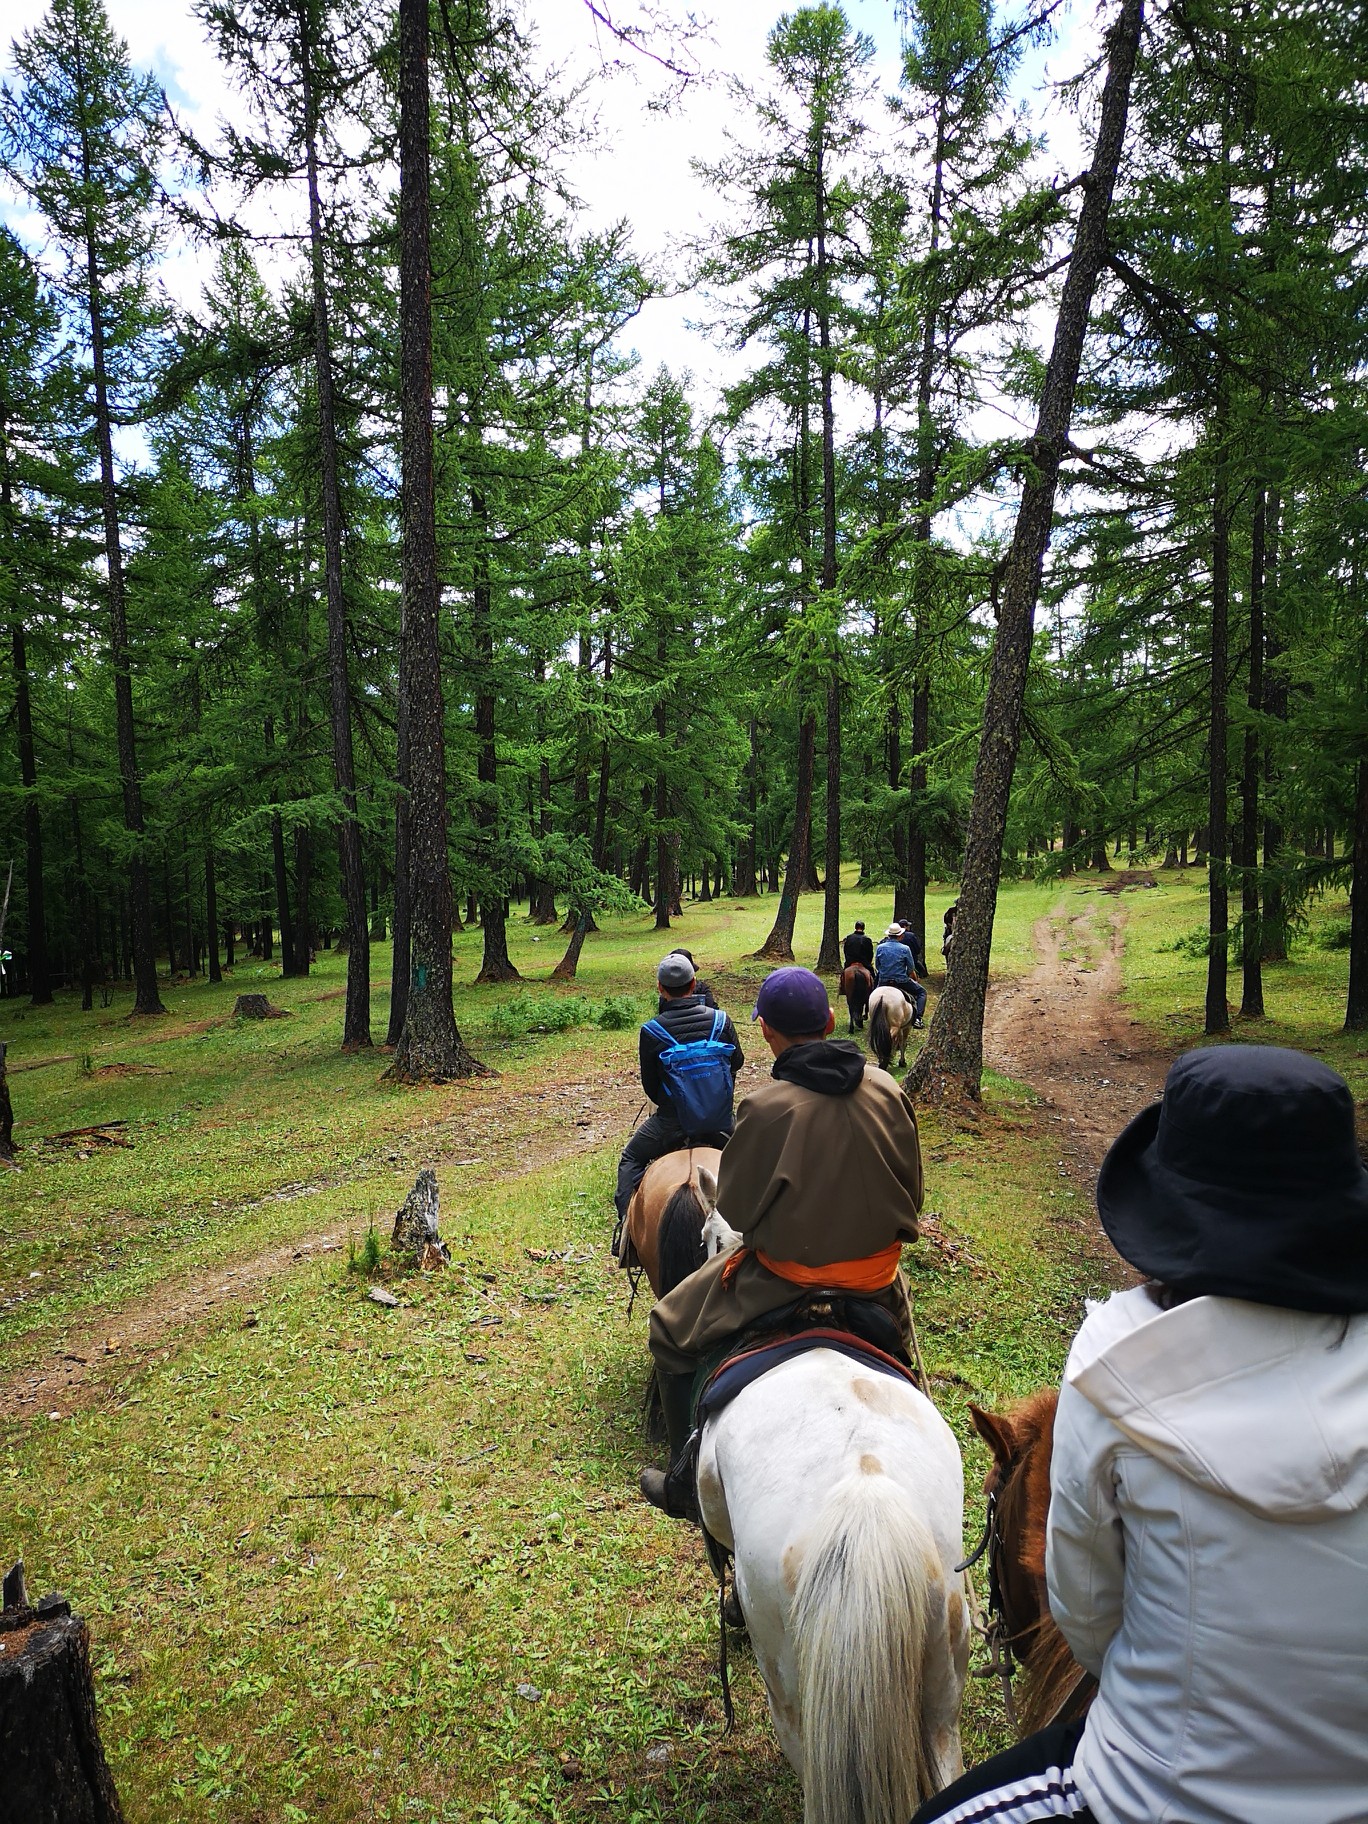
(657, 1031)
(719, 1021)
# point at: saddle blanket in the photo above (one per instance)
(738, 1371)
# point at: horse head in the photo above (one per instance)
(1017, 1488)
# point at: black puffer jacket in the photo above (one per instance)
(685, 1019)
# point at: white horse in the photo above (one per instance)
(840, 1492)
(890, 1021)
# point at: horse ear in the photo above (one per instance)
(997, 1432)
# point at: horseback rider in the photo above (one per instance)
(912, 938)
(897, 968)
(1207, 1539)
(948, 934)
(822, 1177)
(683, 1018)
(858, 947)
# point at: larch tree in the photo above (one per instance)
(81, 137)
(430, 1047)
(950, 1063)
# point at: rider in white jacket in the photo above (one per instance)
(1207, 1545)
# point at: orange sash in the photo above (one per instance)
(871, 1274)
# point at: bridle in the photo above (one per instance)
(991, 1623)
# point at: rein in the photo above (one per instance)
(990, 1624)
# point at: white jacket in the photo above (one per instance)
(1207, 1558)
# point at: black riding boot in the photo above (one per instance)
(676, 1402)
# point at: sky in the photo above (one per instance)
(642, 170)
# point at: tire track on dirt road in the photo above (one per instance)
(1063, 1030)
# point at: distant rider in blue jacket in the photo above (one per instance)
(896, 968)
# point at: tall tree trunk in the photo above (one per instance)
(951, 1061)
(496, 965)
(401, 958)
(1251, 945)
(356, 1033)
(429, 1045)
(914, 898)
(211, 927)
(829, 954)
(911, 903)
(303, 925)
(39, 968)
(1273, 925)
(778, 946)
(146, 998)
(744, 883)
(1218, 908)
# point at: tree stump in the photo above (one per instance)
(52, 1767)
(257, 1007)
(415, 1225)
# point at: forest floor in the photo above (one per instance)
(347, 1562)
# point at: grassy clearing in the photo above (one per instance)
(1165, 983)
(343, 1562)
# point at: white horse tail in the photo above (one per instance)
(862, 1620)
(881, 1033)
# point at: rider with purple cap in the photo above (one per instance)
(822, 1178)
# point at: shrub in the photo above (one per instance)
(513, 1019)
(618, 1012)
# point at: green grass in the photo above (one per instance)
(1165, 983)
(322, 1544)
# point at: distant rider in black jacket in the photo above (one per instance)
(685, 1016)
(859, 948)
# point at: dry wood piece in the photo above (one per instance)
(415, 1225)
(54, 1769)
(102, 1132)
(257, 1007)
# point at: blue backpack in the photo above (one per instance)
(698, 1077)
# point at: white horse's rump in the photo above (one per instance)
(841, 1493)
(890, 1021)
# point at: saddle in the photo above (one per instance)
(852, 1326)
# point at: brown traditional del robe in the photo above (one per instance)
(812, 1181)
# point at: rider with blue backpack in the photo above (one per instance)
(690, 1056)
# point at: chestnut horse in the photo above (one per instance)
(664, 1229)
(1056, 1689)
(855, 987)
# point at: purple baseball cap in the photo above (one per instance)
(793, 1001)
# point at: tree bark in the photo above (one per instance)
(430, 1047)
(1218, 907)
(1356, 1009)
(1273, 925)
(1251, 936)
(6, 1109)
(778, 946)
(829, 953)
(211, 929)
(356, 1033)
(950, 1063)
(496, 964)
(55, 1769)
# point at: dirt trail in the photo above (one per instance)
(507, 1134)
(1063, 1030)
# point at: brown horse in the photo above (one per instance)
(1056, 1689)
(663, 1231)
(855, 987)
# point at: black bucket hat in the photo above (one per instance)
(1245, 1181)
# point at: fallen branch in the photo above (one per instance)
(98, 1130)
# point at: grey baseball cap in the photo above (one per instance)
(675, 972)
